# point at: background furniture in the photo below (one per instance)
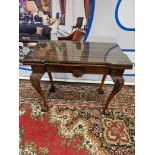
(31, 6)
(38, 19)
(79, 23)
(62, 19)
(75, 36)
(27, 33)
(58, 15)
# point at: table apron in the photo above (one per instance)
(82, 69)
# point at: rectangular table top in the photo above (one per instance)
(72, 52)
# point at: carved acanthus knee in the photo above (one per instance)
(35, 80)
(119, 82)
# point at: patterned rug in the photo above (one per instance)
(75, 123)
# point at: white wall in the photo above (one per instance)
(74, 9)
(105, 29)
(55, 8)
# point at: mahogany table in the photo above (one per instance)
(77, 58)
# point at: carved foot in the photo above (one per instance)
(44, 108)
(100, 91)
(106, 112)
(52, 89)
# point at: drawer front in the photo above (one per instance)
(76, 70)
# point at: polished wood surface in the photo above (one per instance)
(76, 52)
(77, 58)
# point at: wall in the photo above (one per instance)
(74, 9)
(105, 28)
(55, 8)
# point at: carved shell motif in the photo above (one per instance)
(77, 73)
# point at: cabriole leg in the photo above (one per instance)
(118, 84)
(35, 81)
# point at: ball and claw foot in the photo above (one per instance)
(44, 108)
(106, 112)
(100, 91)
(52, 89)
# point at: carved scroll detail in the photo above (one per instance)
(77, 73)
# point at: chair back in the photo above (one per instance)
(75, 36)
(79, 22)
(57, 15)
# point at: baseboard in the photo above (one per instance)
(80, 81)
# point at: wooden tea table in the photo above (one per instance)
(77, 58)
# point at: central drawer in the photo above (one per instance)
(78, 70)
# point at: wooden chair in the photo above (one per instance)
(79, 23)
(57, 15)
(75, 36)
